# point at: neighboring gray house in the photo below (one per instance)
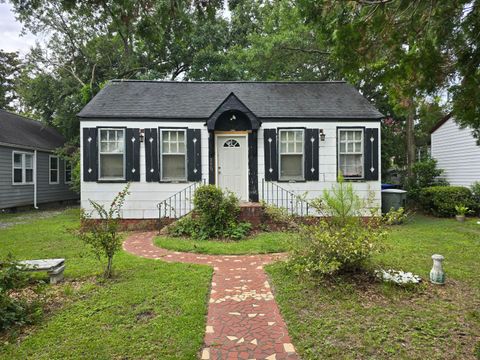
(30, 172)
(456, 152)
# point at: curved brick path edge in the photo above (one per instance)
(243, 321)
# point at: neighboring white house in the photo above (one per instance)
(456, 152)
(262, 140)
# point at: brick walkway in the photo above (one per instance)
(243, 321)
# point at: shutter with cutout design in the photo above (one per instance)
(311, 155)
(152, 173)
(371, 154)
(194, 155)
(90, 154)
(270, 153)
(132, 154)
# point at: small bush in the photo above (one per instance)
(425, 174)
(215, 216)
(343, 240)
(476, 194)
(441, 200)
(103, 235)
(14, 310)
(396, 217)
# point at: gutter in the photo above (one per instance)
(35, 180)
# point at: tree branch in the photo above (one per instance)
(308, 51)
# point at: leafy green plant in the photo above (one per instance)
(215, 216)
(462, 210)
(102, 234)
(476, 194)
(15, 310)
(396, 217)
(344, 239)
(425, 174)
(441, 200)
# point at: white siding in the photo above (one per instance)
(327, 159)
(457, 153)
(144, 197)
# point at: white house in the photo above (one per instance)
(456, 151)
(262, 140)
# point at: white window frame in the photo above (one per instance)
(280, 178)
(50, 157)
(65, 162)
(24, 168)
(103, 153)
(362, 152)
(161, 154)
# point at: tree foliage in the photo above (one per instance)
(10, 67)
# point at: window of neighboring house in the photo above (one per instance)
(68, 172)
(112, 154)
(350, 153)
(22, 168)
(174, 155)
(291, 154)
(54, 170)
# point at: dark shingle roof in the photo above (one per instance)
(169, 99)
(20, 131)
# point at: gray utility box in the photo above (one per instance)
(393, 198)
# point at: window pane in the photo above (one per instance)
(120, 136)
(343, 147)
(351, 165)
(173, 167)
(283, 135)
(28, 161)
(349, 135)
(103, 135)
(349, 147)
(29, 175)
(54, 176)
(17, 160)
(343, 135)
(291, 167)
(111, 166)
(53, 163)
(358, 135)
(298, 136)
(17, 175)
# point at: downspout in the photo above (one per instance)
(35, 180)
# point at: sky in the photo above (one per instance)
(10, 32)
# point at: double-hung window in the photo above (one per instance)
(54, 169)
(22, 168)
(291, 154)
(68, 172)
(111, 157)
(173, 155)
(350, 153)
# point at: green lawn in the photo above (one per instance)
(355, 319)
(151, 309)
(262, 243)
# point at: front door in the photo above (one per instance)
(232, 166)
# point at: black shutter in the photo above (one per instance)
(253, 166)
(152, 173)
(90, 154)
(270, 151)
(132, 139)
(371, 154)
(311, 155)
(194, 155)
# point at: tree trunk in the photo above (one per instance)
(410, 138)
(108, 270)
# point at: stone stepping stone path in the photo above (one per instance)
(244, 321)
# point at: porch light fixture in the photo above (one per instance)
(322, 135)
(233, 117)
(142, 135)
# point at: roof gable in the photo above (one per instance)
(232, 102)
(17, 130)
(198, 100)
